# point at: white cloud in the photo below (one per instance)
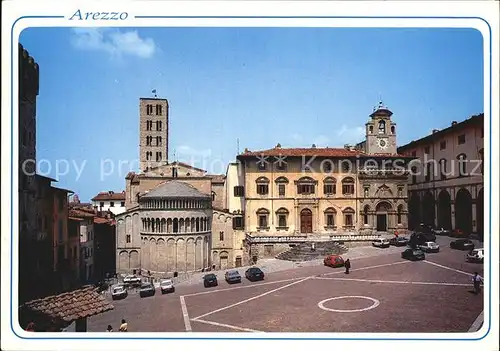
(350, 134)
(321, 141)
(114, 42)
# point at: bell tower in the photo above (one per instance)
(153, 132)
(381, 132)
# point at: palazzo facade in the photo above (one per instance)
(446, 186)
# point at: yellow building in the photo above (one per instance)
(298, 194)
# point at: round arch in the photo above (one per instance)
(428, 206)
(463, 211)
(444, 210)
(306, 220)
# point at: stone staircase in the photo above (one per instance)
(303, 252)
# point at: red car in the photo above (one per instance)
(334, 261)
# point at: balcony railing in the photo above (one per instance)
(257, 239)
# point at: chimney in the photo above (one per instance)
(347, 146)
(313, 145)
(278, 146)
(435, 131)
(453, 123)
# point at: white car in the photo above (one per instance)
(476, 255)
(132, 280)
(429, 246)
(119, 292)
(381, 242)
(166, 286)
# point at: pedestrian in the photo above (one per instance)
(396, 233)
(476, 280)
(347, 265)
(124, 326)
(109, 329)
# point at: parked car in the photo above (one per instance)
(413, 255)
(476, 256)
(210, 280)
(119, 292)
(381, 242)
(132, 280)
(419, 238)
(333, 261)
(166, 286)
(429, 246)
(441, 231)
(399, 241)
(147, 289)
(233, 277)
(254, 274)
(462, 244)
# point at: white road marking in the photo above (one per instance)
(376, 302)
(243, 287)
(227, 326)
(185, 314)
(478, 323)
(250, 299)
(449, 268)
(392, 281)
(369, 267)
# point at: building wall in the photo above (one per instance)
(154, 116)
(222, 240)
(163, 252)
(295, 203)
(455, 201)
(147, 183)
(104, 205)
(234, 177)
(218, 195)
(87, 249)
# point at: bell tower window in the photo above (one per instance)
(381, 127)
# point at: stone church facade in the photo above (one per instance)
(172, 208)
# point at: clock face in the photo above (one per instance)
(383, 143)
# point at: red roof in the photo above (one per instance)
(72, 305)
(109, 195)
(313, 151)
(100, 220)
(81, 214)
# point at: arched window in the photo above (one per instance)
(329, 186)
(330, 214)
(366, 211)
(176, 225)
(305, 186)
(282, 215)
(400, 214)
(462, 165)
(381, 127)
(370, 129)
(262, 185)
(262, 217)
(348, 217)
(213, 195)
(281, 182)
(348, 186)
(393, 130)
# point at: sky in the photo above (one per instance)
(236, 88)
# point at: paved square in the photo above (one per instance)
(381, 294)
(398, 296)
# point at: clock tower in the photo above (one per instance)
(381, 132)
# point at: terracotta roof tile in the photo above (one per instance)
(80, 303)
(81, 214)
(100, 220)
(217, 178)
(313, 151)
(109, 195)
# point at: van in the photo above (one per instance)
(381, 242)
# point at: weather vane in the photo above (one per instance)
(154, 92)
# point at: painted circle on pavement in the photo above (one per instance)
(375, 303)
